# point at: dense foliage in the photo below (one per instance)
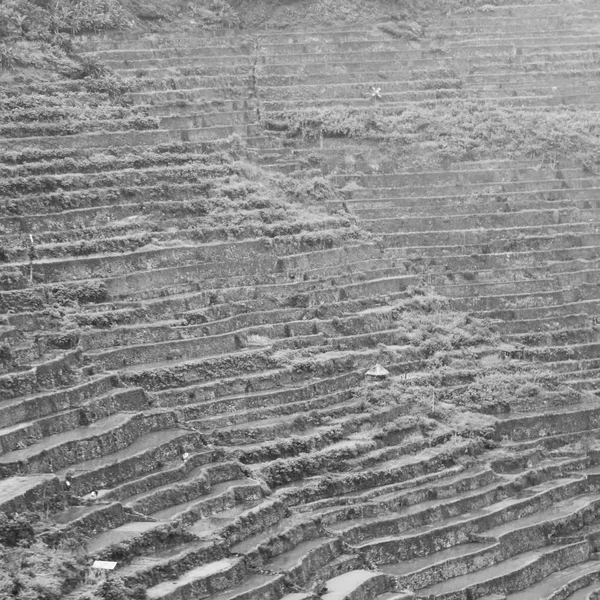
(456, 130)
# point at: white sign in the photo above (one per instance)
(104, 564)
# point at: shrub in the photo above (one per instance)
(15, 531)
(38, 572)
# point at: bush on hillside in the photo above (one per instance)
(456, 130)
(38, 572)
(45, 19)
(15, 531)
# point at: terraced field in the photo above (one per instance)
(196, 272)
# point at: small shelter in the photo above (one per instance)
(377, 372)
(508, 351)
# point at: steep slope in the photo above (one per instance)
(186, 334)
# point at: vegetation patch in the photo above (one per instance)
(458, 130)
(31, 570)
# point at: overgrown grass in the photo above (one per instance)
(458, 130)
(29, 569)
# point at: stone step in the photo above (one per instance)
(178, 560)
(203, 119)
(119, 240)
(560, 352)
(564, 272)
(508, 240)
(297, 596)
(56, 203)
(17, 186)
(403, 595)
(167, 289)
(307, 332)
(539, 300)
(238, 523)
(557, 261)
(279, 426)
(52, 372)
(574, 368)
(325, 449)
(256, 392)
(543, 324)
(437, 208)
(210, 579)
(423, 515)
(357, 584)
(134, 138)
(510, 19)
(263, 587)
(408, 469)
(192, 308)
(529, 530)
(26, 433)
(151, 94)
(389, 185)
(395, 52)
(115, 42)
(121, 535)
(474, 290)
(387, 209)
(90, 520)
(542, 98)
(192, 484)
(149, 570)
(123, 270)
(23, 131)
(95, 161)
(447, 529)
(439, 566)
(574, 335)
(587, 592)
(426, 66)
(266, 445)
(587, 307)
(180, 373)
(590, 384)
(301, 562)
(398, 95)
(263, 267)
(411, 485)
(268, 323)
(538, 95)
(449, 482)
(483, 75)
(265, 48)
(371, 159)
(535, 425)
(430, 181)
(265, 406)
(207, 462)
(165, 352)
(99, 438)
(502, 193)
(512, 574)
(143, 455)
(24, 493)
(399, 52)
(36, 406)
(220, 498)
(141, 231)
(490, 221)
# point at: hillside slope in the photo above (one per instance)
(207, 238)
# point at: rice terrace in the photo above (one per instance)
(299, 299)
